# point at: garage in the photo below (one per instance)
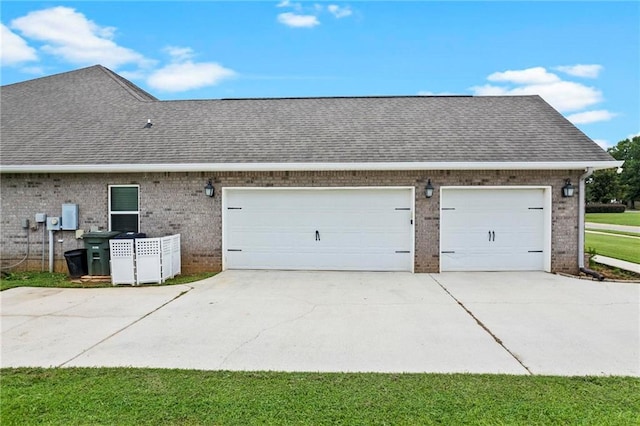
(352, 229)
(495, 229)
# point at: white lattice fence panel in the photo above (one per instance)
(175, 255)
(122, 262)
(165, 244)
(148, 260)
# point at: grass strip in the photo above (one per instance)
(151, 396)
(626, 218)
(611, 246)
(46, 279)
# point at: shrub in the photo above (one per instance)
(605, 208)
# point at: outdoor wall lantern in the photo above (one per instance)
(209, 191)
(567, 189)
(428, 190)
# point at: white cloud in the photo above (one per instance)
(71, 36)
(287, 3)
(537, 75)
(308, 16)
(298, 21)
(179, 54)
(14, 49)
(427, 93)
(178, 77)
(590, 116)
(339, 12)
(580, 70)
(489, 90)
(565, 96)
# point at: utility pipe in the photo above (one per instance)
(44, 236)
(51, 250)
(581, 226)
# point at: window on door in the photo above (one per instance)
(124, 210)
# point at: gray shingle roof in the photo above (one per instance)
(93, 116)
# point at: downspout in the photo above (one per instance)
(581, 227)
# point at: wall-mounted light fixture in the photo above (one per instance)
(428, 190)
(209, 191)
(567, 189)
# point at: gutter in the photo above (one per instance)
(581, 226)
(291, 167)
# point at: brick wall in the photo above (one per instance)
(173, 203)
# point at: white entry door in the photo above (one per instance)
(494, 229)
(363, 229)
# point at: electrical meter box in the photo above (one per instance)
(69, 217)
(53, 223)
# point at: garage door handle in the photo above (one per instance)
(493, 234)
(317, 236)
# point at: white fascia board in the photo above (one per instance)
(292, 167)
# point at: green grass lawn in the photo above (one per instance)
(73, 396)
(626, 218)
(46, 279)
(613, 246)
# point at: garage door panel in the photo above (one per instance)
(492, 229)
(357, 229)
(266, 237)
(483, 261)
(379, 259)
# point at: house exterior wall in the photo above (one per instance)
(173, 203)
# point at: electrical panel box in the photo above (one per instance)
(41, 217)
(69, 217)
(53, 223)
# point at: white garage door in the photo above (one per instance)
(494, 230)
(364, 229)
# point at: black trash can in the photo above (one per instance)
(77, 262)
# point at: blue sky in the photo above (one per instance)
(582, 57)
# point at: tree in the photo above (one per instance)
(629, 151)
(603, 186)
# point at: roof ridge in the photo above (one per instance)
(134, 90)
(303, 98)
(346, 97)
(44, 77)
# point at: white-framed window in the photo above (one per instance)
(124, 208)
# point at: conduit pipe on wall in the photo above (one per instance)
(44, 236)
(581, 226)
(50, 250)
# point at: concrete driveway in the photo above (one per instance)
(514, 323)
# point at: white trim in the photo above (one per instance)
(581, 216)
(261, 167)
(547, 217)
(316, 188)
